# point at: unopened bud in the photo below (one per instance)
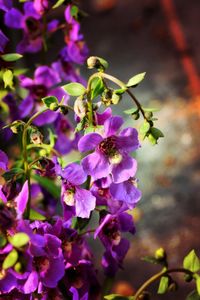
(92, 62)
(135, 115)
(43, 152)
(160, 254)
(173, 287)
(148, 115)
(64, 109)
(54, 106)
(36, 137)
(80, 108)
(188, 277)
(115, 98)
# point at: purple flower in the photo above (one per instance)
(3, 161)
(3, 41)
(111, 151)
(67, 140)
(5, 5)
(72, 195)
(41, 86)
(109, 232)
(41, 6)
(127, 192)
(21, 200)
(30, 23)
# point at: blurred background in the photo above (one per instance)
(159, 37)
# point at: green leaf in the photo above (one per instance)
(157, 133)
(18, 240)
(74, 89)
(52, 138)
(3, 241)
(11, 57)
(74, 11)
(49, 185)
(131, 111)
(193, 296)
(58, 3)
(48, 101)
(97, 87)
(148, 109)
(144, 128)
(34, 215)
(10, 260)
(135, 80)
(103, 62)
(198, 285)
(117, 297)
(120, 91)
(163, 286)
(192, 262)
(8, 79)
(152, 260)
(152, 139)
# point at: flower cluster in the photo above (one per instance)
(71, 178)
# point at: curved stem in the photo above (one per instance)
(43, 146)
(158, 276)
(123, 86)
(25, 157)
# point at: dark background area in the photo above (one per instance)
(135, 37)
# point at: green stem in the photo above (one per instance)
(123, 86)
(25, 158)
(43, 146)
(158, 276)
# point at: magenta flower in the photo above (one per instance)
(76, 200)
(30, 23)
(3, 160)
(3, 41)
(41, 86)
(111, 151)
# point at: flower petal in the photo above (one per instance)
(74, 174)
(3, 160)
(31, 283)
(13, 18)
(85, 203)
(124, 170)
(112, 125)
(128, 140)
(89, 142)
(96, 165)
(22, 200)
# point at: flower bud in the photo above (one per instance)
(43, 152)
(160, 254)
(92, 62)
(80, 108)
(148, 115)
(54, 106)
(63, 109)
(135, 115)
(36, 137)
(115, 98)
(188, 277)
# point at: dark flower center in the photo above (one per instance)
(111, 230)
(33, 27)
(39, 91)
(108, 146)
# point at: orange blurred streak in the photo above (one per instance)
(181, 45)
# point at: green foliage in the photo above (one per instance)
(8, 78)
(58, 3)
(193, 296)
(74, 11)
(135, 80)
(144, 128)
(10, 260)
(3, 241)
(51, 102)
(18, 240)
(74, 89)
(34, 215)
(118, 297)
(49, 185)
(192, 262)
(163, 285)
(11, 56)
(97, 87)
(12, 172)
(198, 284)
(131, 111)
